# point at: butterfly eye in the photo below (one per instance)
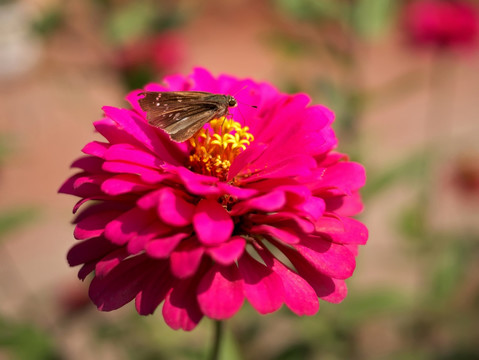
(232, 102)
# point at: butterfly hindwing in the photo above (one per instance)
(183, 130)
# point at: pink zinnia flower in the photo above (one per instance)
(256, 207)
(161, 52)
(465, 175)
(442, 24)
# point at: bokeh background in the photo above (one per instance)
(407, 107)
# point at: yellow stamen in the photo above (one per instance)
(214, 151)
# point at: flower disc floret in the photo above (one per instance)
(216, 146)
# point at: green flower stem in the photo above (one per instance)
(218, 336)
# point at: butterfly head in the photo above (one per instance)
(231, 101)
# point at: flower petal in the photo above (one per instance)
(342, 230)
(345, 205)
(196, 184)
(161, 248)
(86, 270)
(132, 154)
(109, 262)
(136, 131)
(237, 192)
(155, 290)
(96, 148)
(283, 234)
(89, 250)
(75, 185)
(154, 230)
(228, 252)
(173, 209)
(93, 225)
(220, 292)
(323, 285)
(281, 167)
(212, 223)
(121, 284)
(262, 287)
(272, 201)
(128, 225)
(331, 259)
(299, 296)
(343, 176)
(122, 184)
(186, 258)
(89, 164)
(284, 218)
(112, 132)
(181, 310)
(145, 174)
(326, 288)
(338, 294)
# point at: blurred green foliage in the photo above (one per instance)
(135, 19)
(130, 21)
(366, 18)
(4, 148)
(49, 21)
(15, 218)
(12, 219)
(373, 18)
(411, 169)
(24, 341)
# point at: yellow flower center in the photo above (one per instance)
(214, 151)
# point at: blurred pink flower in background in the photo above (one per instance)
(257, 207)
(465, 176)
(442, 24)
(162, 52)
(72, 299)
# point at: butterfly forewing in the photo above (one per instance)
(182, 113)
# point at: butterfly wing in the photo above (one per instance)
(182, 114)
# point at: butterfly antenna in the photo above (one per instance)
(241, 102)
(237, 92)
(252, 106)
